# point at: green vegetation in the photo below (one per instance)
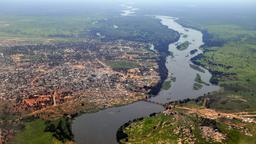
(185, 36)
(60, 128)
(34, 132)
(167, 85)
(197, 68)
(199, 83)
(234, 67)
(230, 101)
(198, 79)
(230, 33)
(44, 26)
(151, 130)
(122, 64)
(186, 128)
(45, 132)
(183, 46)
(136, 28)
(236, 63)
(230, 55)
(197, 86)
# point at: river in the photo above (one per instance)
(101, 127)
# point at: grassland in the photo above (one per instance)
(34, 132)
(229, 32)
(44, 132)
(142, 131)
(187, 128)
(44, 26)
(233, 65)
(237, 58)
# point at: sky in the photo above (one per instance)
(141, 1)
(221, 4)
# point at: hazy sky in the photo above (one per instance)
(144, 1)
(152, 3)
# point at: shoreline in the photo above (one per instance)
(122, 135)
(163, 49)
(163, 71)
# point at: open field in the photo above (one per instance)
(233, 65)
(44, 26)
(190, 125)
(34, 132)
(45, 132)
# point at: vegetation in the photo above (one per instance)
(61, 129)
(230, 33)
(198, 79)
(151, 130)
(230, 55)
(199, 83)
(197, 86)
(187, 128)
(42, 132)
(136, 28)
(197, 68)
(167, 85)
(34, 132)
(183, 46)
(185, 36)
(233, 66)
(145, 29)
(44, 26)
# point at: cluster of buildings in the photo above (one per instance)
(39, 102)
(38, 76)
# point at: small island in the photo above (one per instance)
(183, 46)
(199, 83)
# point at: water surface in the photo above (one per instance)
(179, 68)
(101, 127)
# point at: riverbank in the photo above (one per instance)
(101, 127)
(232, 109)
(163, 71)
(187, 123)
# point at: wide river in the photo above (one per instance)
(101, 127)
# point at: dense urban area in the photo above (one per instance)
(60, 62)
(49, 80)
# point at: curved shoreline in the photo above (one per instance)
(101, 127)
